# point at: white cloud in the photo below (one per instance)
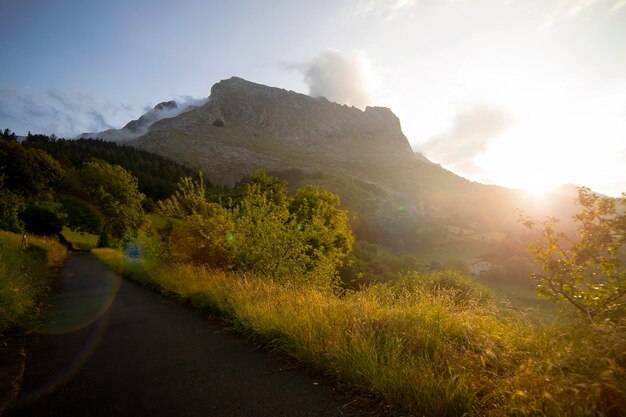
(54, 111)
(339, 77)
(68, 115)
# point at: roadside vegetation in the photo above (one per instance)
(426, 343)
(26, 273)
(429, 344)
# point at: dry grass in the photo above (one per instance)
(422, 350)
(25, 276)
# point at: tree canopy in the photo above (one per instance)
(300, 238)
(114, 191)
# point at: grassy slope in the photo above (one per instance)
(25, 275)
(423, 353)
(80, 241)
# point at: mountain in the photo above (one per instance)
(138, 127)
(245, 126)
(395, 196)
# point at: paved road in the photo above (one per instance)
(110, 347)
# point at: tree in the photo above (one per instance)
(115, 192)
(200, 230)
(305, 237)
(10, 206)
(41, 221)
(323, 227)
(7, 134)
(586, 272)
(81, 217)
(302, 238)
(28, 171)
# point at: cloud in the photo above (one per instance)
(339, 77)
(68, 115)
(53, 111)
(471, 133)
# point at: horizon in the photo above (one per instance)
(524, 94)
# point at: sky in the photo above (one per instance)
(521, 93)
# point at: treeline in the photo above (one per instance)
(48, 183)
(157, 176)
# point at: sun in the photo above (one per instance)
(539, 190)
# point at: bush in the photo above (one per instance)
(81, 217)
(303, 238)
(41, 221)
(10, 206)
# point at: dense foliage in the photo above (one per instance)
(115, 192)
(92, 195)
(157, 176)
(261, 228)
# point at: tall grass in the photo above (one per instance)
(425, 347)
(25, 275)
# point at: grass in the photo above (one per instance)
(523, 298)
(25, 276)
(79, 240)
(419, 349)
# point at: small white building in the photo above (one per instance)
(480, 265)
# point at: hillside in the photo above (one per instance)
(396, 196)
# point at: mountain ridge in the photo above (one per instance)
(282, 129)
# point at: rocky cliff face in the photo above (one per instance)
(245, 126)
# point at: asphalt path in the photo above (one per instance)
(108, 347)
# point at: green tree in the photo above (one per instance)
(323, 228)
(114, 191)
(80, 215)
(29, 172)
(7, 134)
(586, 271)
(303, 238)
(200, 231)
(10, 206)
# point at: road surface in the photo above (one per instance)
(108, 347)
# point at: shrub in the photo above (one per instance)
(41, 221)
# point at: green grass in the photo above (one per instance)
(25, 276)
(79, 240)
(420, 349)
(521, 297)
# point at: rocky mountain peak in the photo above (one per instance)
(166, 105)
(244, 126)
(306, 122)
